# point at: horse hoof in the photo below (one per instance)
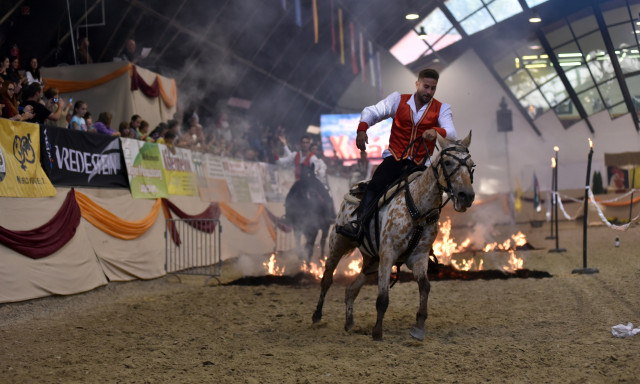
(348, 326)
(316, 317)
(417, 333)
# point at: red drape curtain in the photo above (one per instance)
(138, 82)
(48, 238)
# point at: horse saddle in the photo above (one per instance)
(356, 192)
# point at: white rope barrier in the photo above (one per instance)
(621, 228)
(564, 212)
(598, 209)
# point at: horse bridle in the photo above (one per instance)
(462, 161)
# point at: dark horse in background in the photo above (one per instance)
(309, 210)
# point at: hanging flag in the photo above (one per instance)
(333, 30)
(372, 65)
(354, 64)
(536, 194)
(518, 202)
(298, 11)
(315, 22)
(362, 60)
(284, 4)
(379, 73)
(341, 29)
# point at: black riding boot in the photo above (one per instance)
(355, 229)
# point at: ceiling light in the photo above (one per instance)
(535, 17)
(411, 16)
(422, 34)
(570, 54)
(570, 63)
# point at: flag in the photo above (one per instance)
(354, 63)
(333, 30)
(315, 22)
(379, 72)
(298, 12)
(341, 35)
(372, 65)
(362, 60)
(536, 194)
(518, 202)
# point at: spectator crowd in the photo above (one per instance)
(24, 96)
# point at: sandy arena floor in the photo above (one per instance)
(551, 330)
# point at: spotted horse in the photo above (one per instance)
(407, 227)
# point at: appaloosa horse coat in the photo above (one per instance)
(408, 226)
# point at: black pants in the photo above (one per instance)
(387, 172)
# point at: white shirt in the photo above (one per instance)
(388, 106)
(319, 166)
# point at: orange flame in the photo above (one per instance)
(443, 248)
(272, 268)
(515, 263)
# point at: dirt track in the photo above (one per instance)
(517, 330)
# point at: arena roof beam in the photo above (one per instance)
(68, 34)
(489, 66)
(228, 52)
(175, 35)
(604, 31)
(563, 77)
(113, 34)
(10, 12)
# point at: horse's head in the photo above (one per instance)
(453, 169)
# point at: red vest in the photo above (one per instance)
(404, 129)
(306, 163)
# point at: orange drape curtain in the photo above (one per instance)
(619, 203)
(128, 230)
(65, 86)
(248, 225)
(113, 225)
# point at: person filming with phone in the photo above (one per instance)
(31, 96)
(53, 100)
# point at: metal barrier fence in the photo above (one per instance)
(193, 247)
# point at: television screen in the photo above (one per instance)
(339, 137)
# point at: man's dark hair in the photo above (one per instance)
(169, 135)
(429, 73)
(305, 137)
(135, 117)
(31, 91)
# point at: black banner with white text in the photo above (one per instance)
(73, 158)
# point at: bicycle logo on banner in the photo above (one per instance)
(23, 151)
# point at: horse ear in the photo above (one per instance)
(442, 142)
(467, 140)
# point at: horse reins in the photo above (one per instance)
(433, 214)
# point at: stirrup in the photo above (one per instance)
(352, 230)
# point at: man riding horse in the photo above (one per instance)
(413, 115)
(308, 205)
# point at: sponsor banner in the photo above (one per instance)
(254, 180)
(179, 171)
(80, 159)
(21, 174)
(273, 192)
(237, 180)
(144, 169)
(214, 186)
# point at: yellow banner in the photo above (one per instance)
(20, 172)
